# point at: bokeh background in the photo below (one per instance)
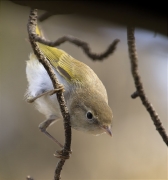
(136, 151)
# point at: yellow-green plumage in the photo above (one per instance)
(66, 65)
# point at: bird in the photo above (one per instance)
(85, 95)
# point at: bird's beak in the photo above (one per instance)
(107, 129)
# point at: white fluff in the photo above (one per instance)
(39, 82)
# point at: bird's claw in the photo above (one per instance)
(63, 154)
(60, 88)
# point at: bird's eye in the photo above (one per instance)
(89, 115)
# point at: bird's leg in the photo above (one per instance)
(45, 124)
(31, 99)
(62, 154)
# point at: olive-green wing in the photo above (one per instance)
(71, 69)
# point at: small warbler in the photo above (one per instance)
(85, 95)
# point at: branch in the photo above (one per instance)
(85, 46)
(139, 87)
(65, 152)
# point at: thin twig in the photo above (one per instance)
(67, 146)
(139, 87)
(85, 46)
(135, 95)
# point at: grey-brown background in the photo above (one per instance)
(136, 150)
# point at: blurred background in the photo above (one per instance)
(136, 150)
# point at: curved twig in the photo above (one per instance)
(139, 87)
(67, 146)
(85, 46)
